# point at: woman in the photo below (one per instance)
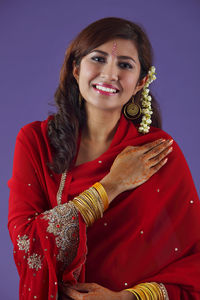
(97, 151)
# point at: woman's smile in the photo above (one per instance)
(105, 89)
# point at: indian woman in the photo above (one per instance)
(102, 203)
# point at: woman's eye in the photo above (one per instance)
(124, 65)
(98, 59)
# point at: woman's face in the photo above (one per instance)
(109, 75)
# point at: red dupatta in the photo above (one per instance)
(151, 233)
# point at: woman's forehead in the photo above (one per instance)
(119, 47)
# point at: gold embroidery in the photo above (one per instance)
(64, 224)
(23, 243)
(35, 262)
(61, 187)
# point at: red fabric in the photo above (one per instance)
(151, 233)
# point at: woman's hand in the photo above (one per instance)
(92, 291)
(135, 165)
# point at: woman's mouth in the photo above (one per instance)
(105, 89)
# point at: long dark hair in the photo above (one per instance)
(63, 128)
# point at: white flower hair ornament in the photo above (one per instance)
(146, 103)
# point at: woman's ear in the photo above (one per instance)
(141, 84)
(76, 71)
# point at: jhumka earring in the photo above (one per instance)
(132, 110)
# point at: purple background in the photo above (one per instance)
(33, 39)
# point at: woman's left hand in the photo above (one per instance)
(92, 291)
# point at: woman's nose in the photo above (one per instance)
(110, 71)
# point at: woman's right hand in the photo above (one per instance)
(135, 165)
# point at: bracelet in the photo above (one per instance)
(149, 291)
(100, 189)
(98, 200)
(134, 293)
(92, 203)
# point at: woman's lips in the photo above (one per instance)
(105, 89)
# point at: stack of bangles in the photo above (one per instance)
(92, 203)
(149, 291)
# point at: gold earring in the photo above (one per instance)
(132, 110)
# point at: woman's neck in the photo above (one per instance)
(100, 126)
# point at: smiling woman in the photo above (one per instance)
(104, 73)
(95, 212)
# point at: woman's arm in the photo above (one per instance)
(46, 241)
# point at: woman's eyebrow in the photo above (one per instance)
(119, 57)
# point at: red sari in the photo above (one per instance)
(151, 233)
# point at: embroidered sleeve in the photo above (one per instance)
(63, 224)
(46, 242)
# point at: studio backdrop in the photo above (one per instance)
(33, 38)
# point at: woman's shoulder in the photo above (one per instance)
(34, 133)
(36, 127)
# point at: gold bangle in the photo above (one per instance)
(81, 200)
(134, 293)
(87, 201)
(148, 295)
(81, 211)
(148, 292)
(153, 289)
(100, 189)
(98, 200)
(88, 211)
(85, 212)
(93, 203)
(140, 293)
(157, 290)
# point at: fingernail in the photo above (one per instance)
(170, 142)
(170, 149)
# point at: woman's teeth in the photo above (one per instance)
(105, 89)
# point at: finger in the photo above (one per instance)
(157, 167)
(147, 147)
(155, 160)
(72, 293)
(158, 149)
